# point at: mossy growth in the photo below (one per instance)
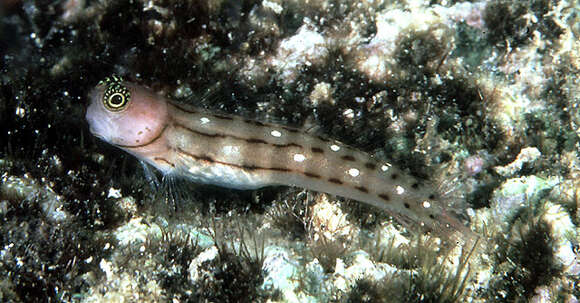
(425, 279)
(46, 258)
(482, 195)
(554, 129)
(549, 133)
(420, 50)
(174, 252)
(525, 262)
(471, 45)
(42, 260)
(367, 291)
(509, 23)
(236, 273)
(438, 93)
(289, 214)
(435, 283)
(327, 251)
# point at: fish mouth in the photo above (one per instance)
(96, 120)
(95, 127)
(91, 124)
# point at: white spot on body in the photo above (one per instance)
(400, 190)
(335, 147)
(231, 150)
(353, 172)
(299, 157)
(426, 204)
(204, 120)
(276, 133)
(385, 167)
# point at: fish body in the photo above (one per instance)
(239, 153)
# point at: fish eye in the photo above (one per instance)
(116, 100)
(116, 96)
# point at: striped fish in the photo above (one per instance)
(234, 152)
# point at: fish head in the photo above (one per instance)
(126, 115)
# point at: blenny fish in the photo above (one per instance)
(235, 152)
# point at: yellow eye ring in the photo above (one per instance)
(116, 101)
(116, 96)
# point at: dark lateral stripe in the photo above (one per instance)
(292, 130)
(159, 159)
(253, 167)
(385, 197)
(189, 111)
(287, 145)
(223, 117)
(312, 175)
(145, 144)
(258, 123)
(317, 150)
(198, 132)
(370, 165)
(254, 122)
(205, 158)
(362, 189)
(348, 158)
(281, 169)
(248, 140)
(335, 181)
(323, 139)
(252, 140)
